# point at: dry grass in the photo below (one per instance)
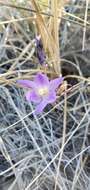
(51, 151)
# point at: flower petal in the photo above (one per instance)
(32, 96)
(52, 97)
(41, 106)
(55, 83)
(41, 80)
(26, 83)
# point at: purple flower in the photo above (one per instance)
(40, 51)
(42, 91)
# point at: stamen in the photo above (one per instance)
(43, 91)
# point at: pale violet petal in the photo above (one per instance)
(26, 83)
(32, 96)
(41, 80)
(40, 107)
(51, 97)
(54, 84)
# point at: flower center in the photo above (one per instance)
(43, 91)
